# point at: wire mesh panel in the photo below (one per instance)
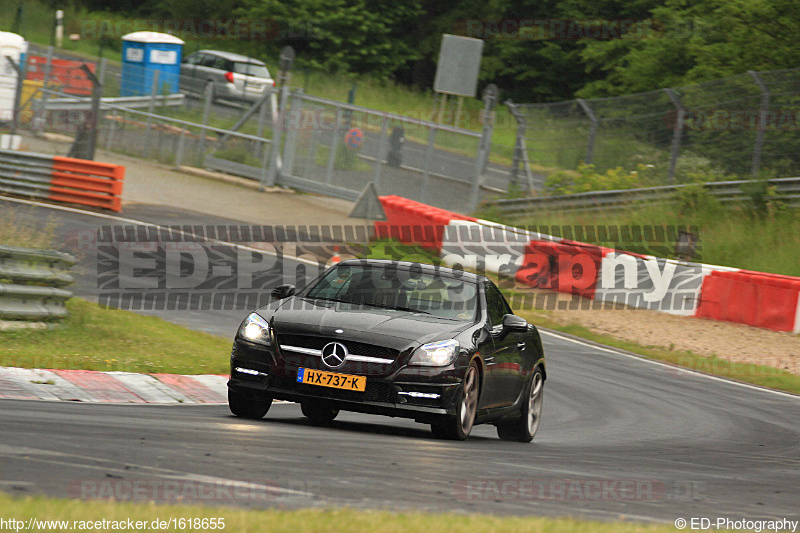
(781, 146)
(556, 134)
(720, 125)
(340, 148)
(737, 125)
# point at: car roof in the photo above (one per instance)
(426, 268)
(233, 57)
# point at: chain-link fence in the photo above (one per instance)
(745, 124)
(326, 147)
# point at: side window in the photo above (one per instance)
(206, 60)
(496, 304)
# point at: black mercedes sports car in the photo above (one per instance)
(434, 344)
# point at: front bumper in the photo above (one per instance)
(421, 394)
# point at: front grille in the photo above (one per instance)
(375, 391)
(356, 348)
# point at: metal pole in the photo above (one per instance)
(677, 132)
(17, 95)
(38, 125)
(262, 117)
(181, 148)
(206, 112)
(291, 136)
(489, 99)
(277, 135)
(442, 107)
(102, 69)
(97, 90)
(334, 145)
(592, 130)
(111, 129)
(382, 147)
(426, 173)
(755, 165)
(150, 110)
(459, 105)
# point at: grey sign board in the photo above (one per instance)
(458, 66)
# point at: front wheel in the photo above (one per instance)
(246, 407)
(524, 429)
(459, 426)
(320, 412)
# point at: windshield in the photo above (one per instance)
(410, 290)
(251, 69)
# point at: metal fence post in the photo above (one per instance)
(38, 124)
(755, 165)
(181, 148)
(489, 99)
(101, 71)
(97, 90)
(334, 145)
(209, 94)
(677, 132)
(277, 135)
(592, 130)
(111, 129)
(17, 94)
(150, 110)
(426, 171)
(262, 117)
(291, 134)
(382, 150)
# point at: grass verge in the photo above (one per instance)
(308, 520)
(761, 375)
(92, 338)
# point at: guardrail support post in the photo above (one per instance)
(592, 130)
(755, 165)
(209, 93)
(677, 133)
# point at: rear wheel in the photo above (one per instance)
(320, 412)
(524, 429)
(459, 426)
(246, 407)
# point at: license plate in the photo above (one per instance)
(331, 379)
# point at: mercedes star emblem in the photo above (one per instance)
(334, 354)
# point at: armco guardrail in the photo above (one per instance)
(31, 284)
(724, 191)
(62, 179)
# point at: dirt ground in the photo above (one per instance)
(726, 340)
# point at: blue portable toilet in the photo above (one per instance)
(145, 52)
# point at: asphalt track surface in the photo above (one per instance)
(621, 437)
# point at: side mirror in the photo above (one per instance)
(282, 291)
(514, 323)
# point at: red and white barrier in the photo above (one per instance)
(604, 274)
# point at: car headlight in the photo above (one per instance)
(439, 353)
(255, 329)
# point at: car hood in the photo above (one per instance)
(298, 315)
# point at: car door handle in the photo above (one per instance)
(521, 345)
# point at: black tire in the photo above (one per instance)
(524, 428)
(458, 427)
(320, 412)
(246, 407)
